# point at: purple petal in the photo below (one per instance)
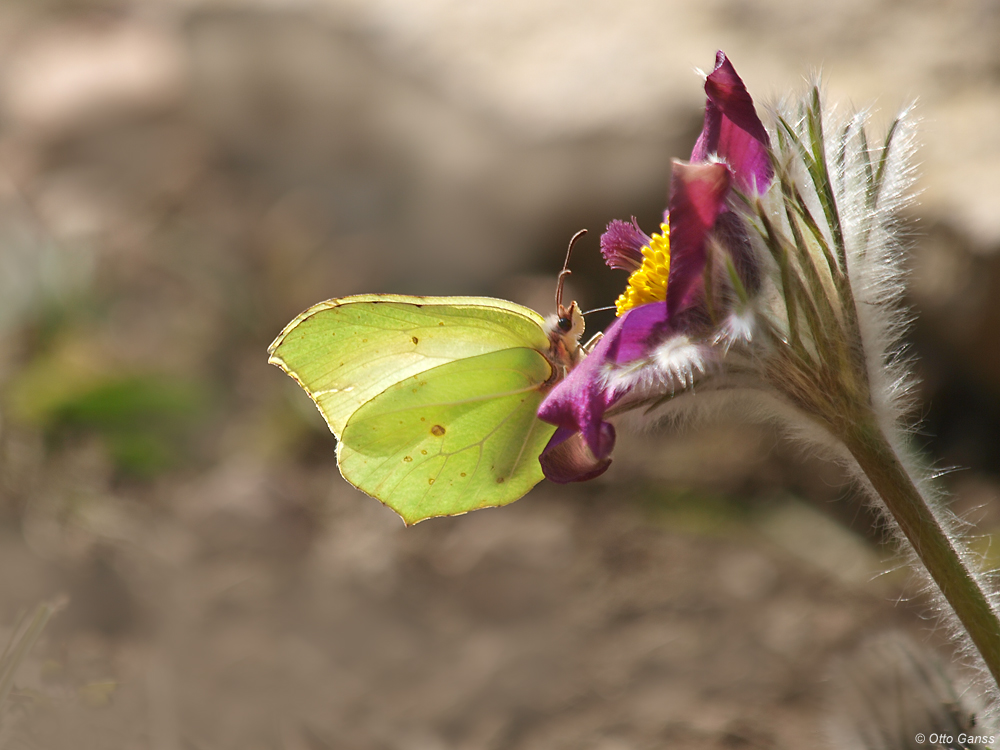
(622, 243)
(567, 458)
(697, 197)
(632, 336)
(578, 403)
(732, 129)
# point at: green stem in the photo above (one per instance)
(931, 541)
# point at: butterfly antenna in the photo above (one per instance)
(566, 272)
(598, 309)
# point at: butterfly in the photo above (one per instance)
(433, 400)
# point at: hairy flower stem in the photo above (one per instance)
(930, 539)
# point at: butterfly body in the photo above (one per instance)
(433, 399)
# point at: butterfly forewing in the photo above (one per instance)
(457, 437)
(344, 352)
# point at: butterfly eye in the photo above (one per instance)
(565, 325)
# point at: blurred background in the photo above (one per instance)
(179, 178)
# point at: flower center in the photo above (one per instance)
(649, 283)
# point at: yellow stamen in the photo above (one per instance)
(649, 283)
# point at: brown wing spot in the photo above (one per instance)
(499, 480)
(463, 473)
(437, 430)
(416, 340)
(407, 458)
(423, 452)
(423, 419)
(440, 322)
(364, 341)
(430, 481)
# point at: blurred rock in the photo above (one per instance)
(453, 194)
(555, 68)
(67, 74)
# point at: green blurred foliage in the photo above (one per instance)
(146, 420)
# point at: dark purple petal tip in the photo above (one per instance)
(567, 458)
(732, 129)
(622, 243)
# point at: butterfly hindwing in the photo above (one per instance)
(460, 436)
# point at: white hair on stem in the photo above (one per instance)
(875, 251)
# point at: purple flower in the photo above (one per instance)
(650, 348)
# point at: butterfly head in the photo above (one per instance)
(567, 322)
(564, 330)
